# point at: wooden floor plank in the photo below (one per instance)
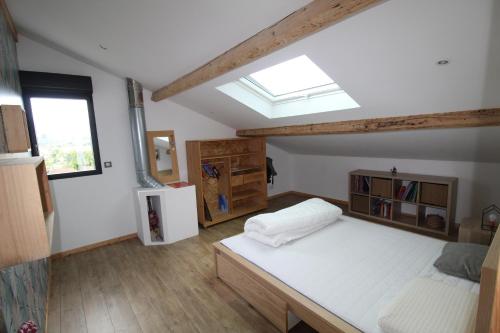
(72, 312)
(120, 310)
(94, 304)
(54, 319)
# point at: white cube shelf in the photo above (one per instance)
(176, 210)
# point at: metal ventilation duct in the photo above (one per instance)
(138, 126)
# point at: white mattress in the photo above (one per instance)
(353, 268)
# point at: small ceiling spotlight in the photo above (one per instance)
(443, 62)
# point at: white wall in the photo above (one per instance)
(187, 125)
(478, 185)
(282, 162)
(96, 208)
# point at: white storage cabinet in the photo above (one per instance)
(176, 210)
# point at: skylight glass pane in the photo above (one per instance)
(291, 76)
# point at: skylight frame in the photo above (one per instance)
(294, 70)
(256, 83)
(291, 76)
(289, 97)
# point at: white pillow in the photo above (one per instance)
(428, 306)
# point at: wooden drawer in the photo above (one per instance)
(247, 178)
(360, 204)
(253, 177)
(381, 187)
(237, 180)
(434, 194)
(262, 299)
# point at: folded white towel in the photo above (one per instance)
(291, 223)
(282, 238)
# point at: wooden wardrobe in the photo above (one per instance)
(231, 171)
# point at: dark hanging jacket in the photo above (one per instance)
(271, 172)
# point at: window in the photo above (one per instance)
(61, 123)
(292, 88)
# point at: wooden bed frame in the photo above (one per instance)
(273, 299)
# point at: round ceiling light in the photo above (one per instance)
(443, 62)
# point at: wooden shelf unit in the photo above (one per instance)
(370, 191)
(15, 138)
(27, 218)
(241, 167)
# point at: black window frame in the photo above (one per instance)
(51, 85)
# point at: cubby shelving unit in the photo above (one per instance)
(405, 199)
(27, 214)
(239, 177)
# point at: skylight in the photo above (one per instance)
(291, 88)
(295, 75)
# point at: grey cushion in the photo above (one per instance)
(463, 260)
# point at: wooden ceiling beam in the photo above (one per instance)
(472, 118)
(8, 18)
(315, 16)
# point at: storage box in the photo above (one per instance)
(434, 194)
(360, 204)
(381, 187)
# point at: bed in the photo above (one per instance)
(339, 278)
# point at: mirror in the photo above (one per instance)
(162, 156)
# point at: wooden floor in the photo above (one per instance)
(128, 287)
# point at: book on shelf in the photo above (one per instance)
(210, 170)
(408, 192)
(382, 208)
(361, 184)
(402, 190)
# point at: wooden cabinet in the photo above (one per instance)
(26, 211)
(470, 232)
(417, 201)
(14, 137)
(230, 177)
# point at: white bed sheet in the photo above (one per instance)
(353, 268)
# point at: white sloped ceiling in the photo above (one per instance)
(384, 57)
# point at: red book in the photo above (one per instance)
(180, 184)
(402, 190)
